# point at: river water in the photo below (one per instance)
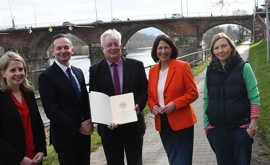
(83, 62)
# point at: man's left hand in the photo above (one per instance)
(86, 127)
(137, 109)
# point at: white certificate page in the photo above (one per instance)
(123, 108)
(119, 109)
(100, 108)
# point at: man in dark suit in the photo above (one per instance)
(66, 103)
(116, 75)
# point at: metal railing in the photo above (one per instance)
(194, 59)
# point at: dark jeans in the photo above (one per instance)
(232, 146)
(178, 145)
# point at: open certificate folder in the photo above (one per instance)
(118, 109)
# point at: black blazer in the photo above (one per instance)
(62, 106)
(134, 80)
(12, 136)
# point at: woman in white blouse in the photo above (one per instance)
(171, 90)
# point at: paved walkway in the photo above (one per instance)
(153, 152)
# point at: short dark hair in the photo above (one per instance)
(169, 41)
(59, 35)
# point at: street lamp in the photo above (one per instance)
(267, 28)
(111, 11)
(96, 9)
(266, 5)
(187, 6)
(182, 8)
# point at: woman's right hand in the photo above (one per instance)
(26, 161)
(156, 110)
(251, 132)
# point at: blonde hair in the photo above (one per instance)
(4, 62)
(220, 36)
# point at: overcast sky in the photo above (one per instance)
(54, 12)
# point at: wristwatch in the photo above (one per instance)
(252, 127)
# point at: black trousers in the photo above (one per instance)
(119, 141)
(78, 153)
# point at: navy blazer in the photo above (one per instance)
(134, 80)
(12, 136)
(62, 106)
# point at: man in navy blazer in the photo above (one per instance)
(126, 138)
(66, 104)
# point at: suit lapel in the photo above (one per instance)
(77, 74)
(171, 72)
(59, 73)
(126, 73)
(155, 79)
(62, 77)
(12, 103)
(29, 102)
(107, 77)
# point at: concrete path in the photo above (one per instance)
(153, 152)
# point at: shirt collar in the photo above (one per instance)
(63, 67)
(120, 62)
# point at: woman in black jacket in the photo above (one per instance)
(22, 136)
(231, 103)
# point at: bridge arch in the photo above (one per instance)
(235, 31)
(245, 21)
(183, 32)
(225, 23)
(128, 34)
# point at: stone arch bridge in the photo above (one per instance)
(187, 33)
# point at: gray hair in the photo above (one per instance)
(110, 32)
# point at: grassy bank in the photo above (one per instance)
(257, 59)
(200, 68)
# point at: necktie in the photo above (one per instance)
(116, 79)
(73, 82)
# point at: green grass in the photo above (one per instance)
(95, 140)
(200, 68)
(261, 69)
(51, 158)
(146, 109)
